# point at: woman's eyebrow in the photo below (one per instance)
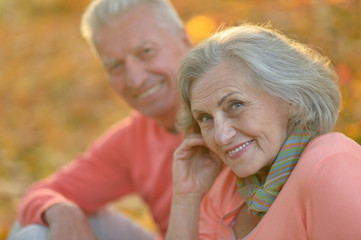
(219, 102)
(225, 97)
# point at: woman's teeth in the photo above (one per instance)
(239, 148)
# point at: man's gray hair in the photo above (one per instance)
(100, 12)
(282, 67)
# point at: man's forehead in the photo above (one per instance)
(128, 37)
(133, 50)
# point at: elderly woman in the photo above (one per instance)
(259, 110)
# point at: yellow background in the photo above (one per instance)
(54, 96)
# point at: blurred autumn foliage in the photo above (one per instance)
(55, 99)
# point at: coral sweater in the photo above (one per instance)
(320, 200)
(136, 155)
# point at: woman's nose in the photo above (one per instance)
(224, 131)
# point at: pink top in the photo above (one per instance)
(136, 155)
(321, 199)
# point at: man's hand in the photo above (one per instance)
(67, 221)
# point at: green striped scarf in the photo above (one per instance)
(258, 197)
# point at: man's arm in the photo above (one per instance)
(92, 180)
(67, 221)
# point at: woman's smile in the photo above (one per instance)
(238, 151)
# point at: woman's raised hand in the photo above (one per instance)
(195, 167)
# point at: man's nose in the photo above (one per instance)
(135, 73)
(224, 131)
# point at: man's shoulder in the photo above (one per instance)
(135, 120)
(137, 127)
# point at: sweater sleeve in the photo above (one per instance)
(95, 178)
(335, 198)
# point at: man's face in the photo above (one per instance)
(142, 60)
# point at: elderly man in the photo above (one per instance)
(141, 44)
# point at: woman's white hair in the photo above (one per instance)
(282, 67)
(100, 12)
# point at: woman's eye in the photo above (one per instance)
(236, 105)
(203, 118)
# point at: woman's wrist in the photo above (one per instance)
(187, 200)
(184, 217)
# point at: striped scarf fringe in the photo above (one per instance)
(259, 197)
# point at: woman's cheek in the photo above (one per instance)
(207, 137)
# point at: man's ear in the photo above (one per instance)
(186, 39)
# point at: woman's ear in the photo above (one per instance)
(292, 108)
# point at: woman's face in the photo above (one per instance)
(243, 124)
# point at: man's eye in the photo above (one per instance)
(146, 53)
(115, 67)
(147, 50)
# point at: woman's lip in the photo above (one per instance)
(238, 147)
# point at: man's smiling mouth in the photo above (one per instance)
(150, 91)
